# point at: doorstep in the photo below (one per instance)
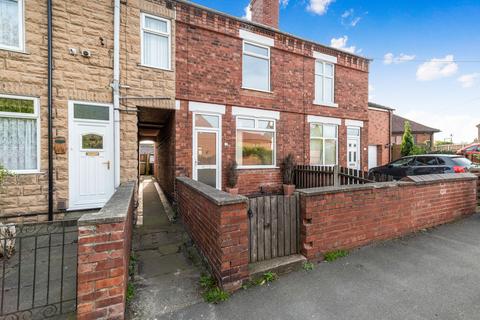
(279, 266)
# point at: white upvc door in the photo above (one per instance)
(207, 149)
(372, 157)
(353, 148)
(91, 167)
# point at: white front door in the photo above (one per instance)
(207, 149)
(353, 148)
(372, 157)
(91, 171)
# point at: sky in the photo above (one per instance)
(426, 53)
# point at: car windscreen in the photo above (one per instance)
(463, 162)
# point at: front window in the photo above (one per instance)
(324, 82)
(19, 134)
(256, 67)
(11, 24)
(155, 42)
(255, 142)
(323, 144)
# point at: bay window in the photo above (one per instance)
(19, 134)
(11, 24)
(256, 67)
(255, 142)
(156, 42)
(323, 144)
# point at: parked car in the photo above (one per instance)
(471, 152)
(424, 164)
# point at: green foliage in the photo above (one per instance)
(442, 143)
(130, 291)
(132, 265)
(334, 255)
(418, 149)
(215, 295)
(4, 173)
(232, 174)
(407, 141)
(265, 278)
(207, 281)
(288, 169)
(308, 266)
(16, 105)
(263, 154)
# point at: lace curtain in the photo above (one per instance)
(18, 143)
(9, 23)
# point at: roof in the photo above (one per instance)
(191, 3)
(398, 125)
(379, 106)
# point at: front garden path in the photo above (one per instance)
(166, 279)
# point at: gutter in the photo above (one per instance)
(50, 113)
(116, 92)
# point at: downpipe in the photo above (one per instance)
(116, 92)
(50, 111)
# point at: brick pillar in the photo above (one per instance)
(104, 243)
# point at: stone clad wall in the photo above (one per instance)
(347, 217)
(217, 222)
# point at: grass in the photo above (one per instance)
(130, 291)
(264, 279)
(308, 266)
(334, 255)
(212, 293)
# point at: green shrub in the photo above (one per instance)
(207, 282)
(215, 295)
(407, 140)
(334, 255)
(308, 266)
(4, 173)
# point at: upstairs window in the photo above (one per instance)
(256, 67)
(11, 24)
(324, 82)
(323, 144)
(19, 134)
(156, 42)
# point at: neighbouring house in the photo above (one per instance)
(422, 134)
(380, 131)
(478, 138)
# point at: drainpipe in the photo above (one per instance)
(50, 120)
(116, 92)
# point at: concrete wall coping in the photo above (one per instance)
(115, 210)
(411, 180)
(219, 197)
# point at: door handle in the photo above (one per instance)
(108, 164)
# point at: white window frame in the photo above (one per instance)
(256, 55)
(323, 145)
(21, 30)
(218, 131)
(36, 116)
(167, 34)
(238, 154)
(318, 100)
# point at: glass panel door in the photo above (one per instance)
(206, 163)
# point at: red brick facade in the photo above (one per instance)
(345, 219)
(265, 12)
(220, 231)
(379, 134)
(209, 70)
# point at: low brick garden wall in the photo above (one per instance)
(104, 243)
(217, 222)
(352, 216)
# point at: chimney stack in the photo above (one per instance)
(265, 12)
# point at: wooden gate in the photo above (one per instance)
(274, 227)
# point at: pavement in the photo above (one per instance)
(433, 274)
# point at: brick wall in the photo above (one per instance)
(349, 217)
(265, 12)
(217, 222)
(104, 243)
(379, 134)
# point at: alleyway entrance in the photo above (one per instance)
(166, 279)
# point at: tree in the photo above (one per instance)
(407, 141)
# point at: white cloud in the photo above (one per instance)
(349, 19)
(437, 69)
(283, 3)
(468, 80)
(247, 13)
(390, 58)
(319, 7)
(347, 13)
(371, 92)
(341, 43)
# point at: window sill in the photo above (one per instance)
(15, 50)
(258, 90)
(24, 172)
(152, 67)
(325, 104)
(256, 167)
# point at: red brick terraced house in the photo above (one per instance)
(246, 91)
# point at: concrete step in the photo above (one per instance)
(279, 266)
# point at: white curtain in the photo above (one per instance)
(9, 23)
(155, 50)
(18, 143)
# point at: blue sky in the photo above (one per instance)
(403, 37)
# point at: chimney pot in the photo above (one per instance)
(265, 12)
